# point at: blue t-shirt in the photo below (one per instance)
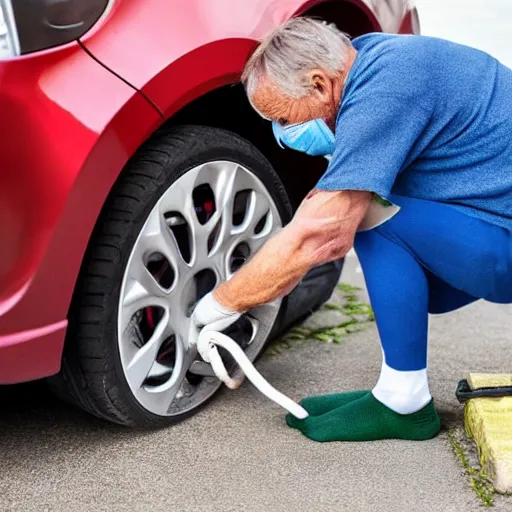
(426, 118)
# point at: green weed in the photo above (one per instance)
(360, 316)
(478, 480)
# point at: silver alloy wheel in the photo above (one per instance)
(199, 233)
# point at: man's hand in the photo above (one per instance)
(209, 313)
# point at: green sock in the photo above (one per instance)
(320, 404)
(367, 419)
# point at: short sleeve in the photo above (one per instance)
(377, 136)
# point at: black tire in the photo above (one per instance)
(92, 376)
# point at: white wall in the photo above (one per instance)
(484, 24)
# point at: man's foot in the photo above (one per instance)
(367, 419)
(320, 404)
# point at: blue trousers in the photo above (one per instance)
(429, 258)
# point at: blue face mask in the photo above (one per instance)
(314, 137)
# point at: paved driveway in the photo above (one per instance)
(239, 455)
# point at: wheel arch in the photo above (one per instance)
(219, 101)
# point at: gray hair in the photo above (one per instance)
(290, 51)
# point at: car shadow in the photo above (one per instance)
(30, 414)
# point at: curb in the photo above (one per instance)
(488, 421)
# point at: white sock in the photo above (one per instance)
(402, 392)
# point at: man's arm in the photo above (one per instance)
(322, 230)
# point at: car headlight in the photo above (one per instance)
(9, 44)
(30, 25)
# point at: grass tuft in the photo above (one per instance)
(360, 316)
(478, 480)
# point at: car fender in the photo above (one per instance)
(77, 153)
(177, 53)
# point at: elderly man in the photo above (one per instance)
(424, 123)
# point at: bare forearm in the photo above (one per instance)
(322, 230)
(272, 273)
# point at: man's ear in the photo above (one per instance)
(320, 82)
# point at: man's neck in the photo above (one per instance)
(339, 84)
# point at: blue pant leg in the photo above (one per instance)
(402, 294)
(429, 257)
(443, 298)
(468, 254)
(399, 295)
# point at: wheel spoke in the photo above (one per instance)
(179, 198)
(158, 238)
(180, 380)
(135, 299)
(162, 397)
(141, 291)
(140, 365)
(224, 233)
(258, 207)
(178, 318)
(234, 179)
(228, 183)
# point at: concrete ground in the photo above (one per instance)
(238, 455)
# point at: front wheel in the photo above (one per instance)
(188, 211)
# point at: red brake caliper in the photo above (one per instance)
(208, 207)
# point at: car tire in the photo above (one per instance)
(92, 374)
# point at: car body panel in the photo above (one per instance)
(76, 114)
(59, 160)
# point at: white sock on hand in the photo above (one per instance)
(403, 392)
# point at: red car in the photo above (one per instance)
(134, 176)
